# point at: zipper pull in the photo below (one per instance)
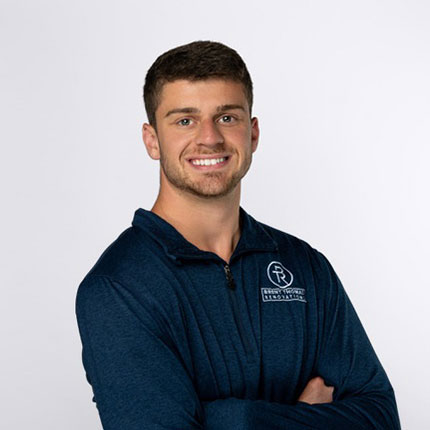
(229, 276)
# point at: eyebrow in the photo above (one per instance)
(229, 107)
(195, 110)
(182, 110)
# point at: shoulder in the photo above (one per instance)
(127, 259)
(119, 254)
(133, 265)
(122, 283)
(287, 242)
(293, 248)
(117, 274)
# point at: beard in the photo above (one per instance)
(207, 185)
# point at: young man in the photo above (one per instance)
(200, 317)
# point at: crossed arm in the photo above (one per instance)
(140, 382)
(315, 392)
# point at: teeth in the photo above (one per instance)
(207, 162)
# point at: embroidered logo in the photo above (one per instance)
(279, 275)
(282, 278)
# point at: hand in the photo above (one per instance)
(317, 392)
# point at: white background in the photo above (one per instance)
(342, 91)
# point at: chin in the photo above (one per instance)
(211, 193)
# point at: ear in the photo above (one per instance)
(255, 133)
(150, 140)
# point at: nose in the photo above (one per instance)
(209, 134)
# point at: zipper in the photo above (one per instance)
(230, 281)
(232, 287)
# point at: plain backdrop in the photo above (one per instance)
(342, 92)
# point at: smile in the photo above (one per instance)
(209, 163)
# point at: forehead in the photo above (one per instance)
(201, 94)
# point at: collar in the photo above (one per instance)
(253, 237)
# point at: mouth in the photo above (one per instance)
(209, 163)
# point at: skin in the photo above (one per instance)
(316, 392)
(202, 205)
(201, 119)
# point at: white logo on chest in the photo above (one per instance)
(279, 275)
(282, 278)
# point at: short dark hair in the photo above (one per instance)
(194, 61)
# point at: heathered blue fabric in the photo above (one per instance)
(168, 345)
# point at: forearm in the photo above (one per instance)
(377, 412)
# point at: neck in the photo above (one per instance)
(210, 224)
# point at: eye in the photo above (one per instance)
(226, 119)
(184, 122)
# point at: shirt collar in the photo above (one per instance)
(253, 236)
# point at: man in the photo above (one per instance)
(200, 317)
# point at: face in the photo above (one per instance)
(204, 138)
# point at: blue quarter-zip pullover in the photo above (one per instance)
(177, 338)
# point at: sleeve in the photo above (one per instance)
(363, 398)
(138, 379)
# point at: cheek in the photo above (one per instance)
(172, 144)
(244, 140)
(238, 135)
